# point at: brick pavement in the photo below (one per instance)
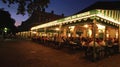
(29, 54)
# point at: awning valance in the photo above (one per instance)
(111, 16)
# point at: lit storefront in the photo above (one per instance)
(106, 24)
(91, 24)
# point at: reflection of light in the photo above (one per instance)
(100, 26)
(107, 35)
(57, 29)
(100, 31)
(116, 34)
(34, 32)
(71, 28)
(90, 32)
(44, 34)
(96, 35)
(69, 35)
(77, 35)
(86, 26)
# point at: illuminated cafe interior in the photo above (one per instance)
(98, 23)
(91, 24)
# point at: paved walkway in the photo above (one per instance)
(29, 54)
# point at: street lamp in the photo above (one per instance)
(5, 30)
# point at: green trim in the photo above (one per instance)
(93, 14)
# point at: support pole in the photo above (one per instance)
(105, 35)
(94, 37)
(30, 34)
(59, 32)
(119, 37)
(45, 31)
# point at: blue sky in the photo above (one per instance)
(67, 7)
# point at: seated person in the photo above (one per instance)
(102, 42)
(92, 44)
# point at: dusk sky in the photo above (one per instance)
(67, 7)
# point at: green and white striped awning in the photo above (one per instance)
(109, 17)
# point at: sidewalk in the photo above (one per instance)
(30, 54)
(1, 39)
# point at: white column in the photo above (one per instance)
(119, 37)
(65, 32)
(74, 32)
(59, 32)
(94, 37)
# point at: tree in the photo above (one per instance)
(7, 24)
(28, 5)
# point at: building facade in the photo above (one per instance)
(37, 18)
(95, 23)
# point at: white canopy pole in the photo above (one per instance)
(119, 37)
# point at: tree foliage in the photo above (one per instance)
(28, 5)
(6, 22)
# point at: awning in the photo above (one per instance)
(111, 17)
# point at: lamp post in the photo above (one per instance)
(5, 30)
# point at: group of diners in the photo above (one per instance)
(108, 46)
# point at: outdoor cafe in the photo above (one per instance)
(95, 28)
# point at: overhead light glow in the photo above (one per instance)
(57, 29)
(86, 26)
(100, 26)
